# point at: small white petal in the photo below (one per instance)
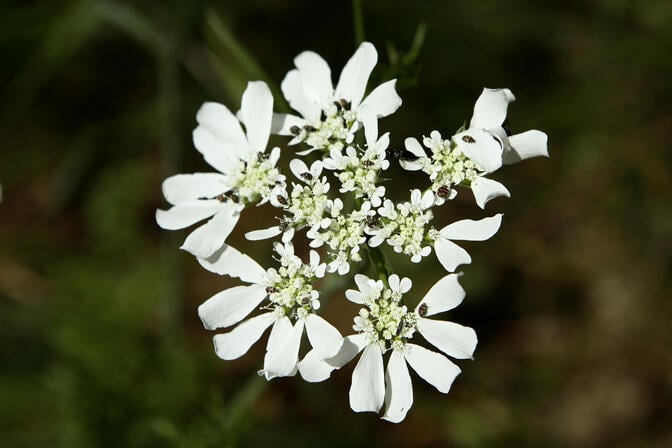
(405, 285)
(283, 123)
(453, 339)
(432, 367)
(399, 389)
(445, 295)
(256, 112)
(383, 100)
(485, 189)
(413, 146)
(237, 342)
(315, 77)
(354, 296)
(490, 108)
(210, 237)
(229, 261)
(292, 89)
(525, 145)
(450, 255)
(367, 391)
(470, 230)
(298, 167)
(393, 281)
(188, 187)
(355, 75)
(230, 306)
(284, 356)
(187, 213)
(323, 337)
(263, 234)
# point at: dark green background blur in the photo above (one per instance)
(101, 344)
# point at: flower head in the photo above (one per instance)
(246, 175)
(330, 116)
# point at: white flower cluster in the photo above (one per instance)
(346, 228)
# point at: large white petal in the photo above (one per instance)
(323, 336)
(452, 339)
(237, 342)
(445, 295)
(490, 108)
(399, 389)
(482, 147)
(470, 230)
(352, 82)
(315, 77)
(284, 355)
(188, 187)
(525, 145)
(282, 124)
(281, 330)
(383, 100)
(221, 123)
(432, 367)
(313, 368)
(485, 189)
(230, 306)
(352, 345)
(450, 255)
(231, 262)
(220, 154)
(207, 239)
(186, 213)
(367, 391)
(256, 111)
(292, 89)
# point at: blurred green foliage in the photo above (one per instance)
(101, 345)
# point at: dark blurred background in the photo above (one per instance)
(101, 344)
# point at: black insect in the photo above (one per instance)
(271, 289)
(468, 139)
(323, 116)
(403, 154)
(308, 128)
(295, 130)
(372, 220)
(343, 104)
(281, 199)
(307, 176)
(229, 195)
(400, 327)
(422, 310)
(367, 163)
(443, 191)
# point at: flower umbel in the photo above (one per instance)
(339, 203)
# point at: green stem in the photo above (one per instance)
(383, 267)
(358, 20)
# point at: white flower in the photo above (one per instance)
(404, 227)
(451, 255)
(246, 174)
(358, 169)
(306, 204)
(448, 166)
(344, 235)
(486, 142)
(291, 298)
(329, 115)
(371, 385)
